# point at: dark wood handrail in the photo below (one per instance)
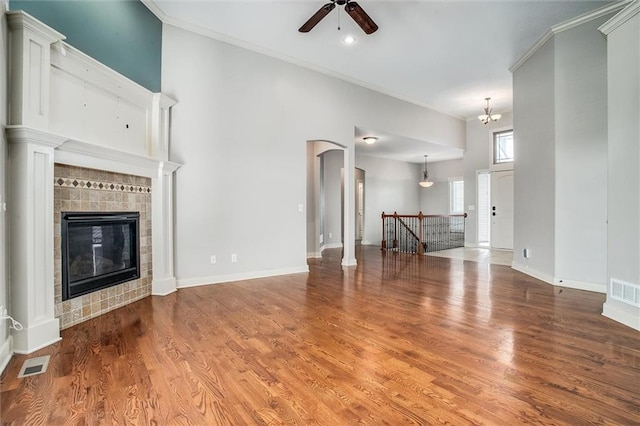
(420, 215)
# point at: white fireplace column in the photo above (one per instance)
(30, 206)
(164, 281)
(30, 209)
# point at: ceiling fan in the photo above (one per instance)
(351, 7)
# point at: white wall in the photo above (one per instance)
(435, 199)
(5, 343)
(581, 154)
(623, 246)
(390, 186)
(478, 156)
(560, 132)
(240, 128)
(534, 165)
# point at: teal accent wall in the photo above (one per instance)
(124, 35)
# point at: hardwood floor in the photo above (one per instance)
(399, 339)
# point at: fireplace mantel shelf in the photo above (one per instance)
(85, 154)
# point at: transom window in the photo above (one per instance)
(503, 147)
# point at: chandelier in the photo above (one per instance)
(488, 115)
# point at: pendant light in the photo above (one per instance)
(488, 114)
(425, 182)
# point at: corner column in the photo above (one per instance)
(164, 280)
(31, 236)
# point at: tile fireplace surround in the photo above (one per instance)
(82, 189)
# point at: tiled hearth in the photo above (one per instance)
(81, 189)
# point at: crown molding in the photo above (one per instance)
(22, 20)
(627, 13)
(567, 25)
(155, 9)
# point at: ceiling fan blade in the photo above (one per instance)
(317, 17)
(360, 16)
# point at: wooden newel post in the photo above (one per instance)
(384, 240)
(420, 234)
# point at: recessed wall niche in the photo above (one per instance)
(78, 189)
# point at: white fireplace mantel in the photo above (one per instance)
(124, 129)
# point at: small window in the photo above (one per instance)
(503, 147)
(456, 196)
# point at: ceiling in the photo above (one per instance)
(445, 55)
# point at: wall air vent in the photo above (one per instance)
(625, 292)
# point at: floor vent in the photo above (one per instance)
(625, 292)
(34, 366)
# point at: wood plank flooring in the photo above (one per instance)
(400, 339)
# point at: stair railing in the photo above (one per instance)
(422, 233)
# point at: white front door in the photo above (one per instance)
(502, 210)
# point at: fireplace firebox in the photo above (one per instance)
(99, 250)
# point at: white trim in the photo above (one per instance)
(471, 245)
(367, 243)
(532, 272)
(6, 352)
(567, 25)
(163, 287)
(330, 246)
(580, 285)
(315, 255)
(37, 337)
(349, 262)
(153, 8)
(19, 19)
(559, 282)
(219, 279)
(627, 13)
(612, 312)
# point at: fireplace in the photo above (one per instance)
(99, 250)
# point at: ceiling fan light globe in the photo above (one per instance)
(483, 117)
(425, 183)
(496, 117)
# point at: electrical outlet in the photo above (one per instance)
(213, 259)
(234, 258)
(330, 235)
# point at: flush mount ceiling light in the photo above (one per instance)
(370, 140)
(488, 115)
(349, 40)
(425, 182)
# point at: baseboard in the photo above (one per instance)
(218, 279)
(471, 245)
(330, 246)
(559, 282)
(623, 317)
(367, 243)
(31, 339)
(315, 255)
(525, 269)
(163, 287)
(580, 285)
(6, 352)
